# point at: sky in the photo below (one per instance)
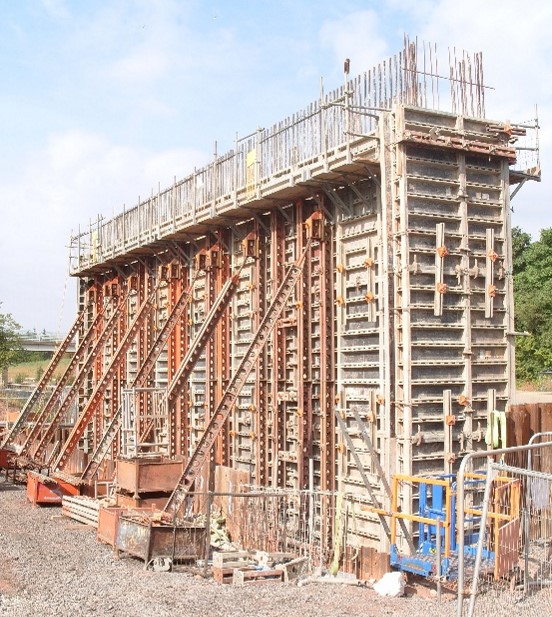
(102, 100)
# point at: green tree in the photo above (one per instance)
(521, 241)
(10, 341)
(533, 302)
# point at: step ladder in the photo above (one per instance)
(228, 400)
(44, 380)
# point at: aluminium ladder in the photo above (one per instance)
(379, 469)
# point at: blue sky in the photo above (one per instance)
(101, 100)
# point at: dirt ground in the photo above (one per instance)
(49, 565)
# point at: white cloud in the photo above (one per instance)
(165, 73)
(517, 59)
(357, 36)
(55, 8)
(141, 65)
(516, 47)
(517, 53)
(76, 176)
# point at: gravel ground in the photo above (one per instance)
(51, 566)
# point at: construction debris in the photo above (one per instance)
(50, 570)
(245, 567)
(391, 584)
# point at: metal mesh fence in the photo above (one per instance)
(323, 526)
(513, 562)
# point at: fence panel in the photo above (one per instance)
(517, 523)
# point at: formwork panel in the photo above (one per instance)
(450, 214)
(360, 356)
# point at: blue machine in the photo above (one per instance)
(437, 502)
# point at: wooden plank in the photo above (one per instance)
(518, 422)
(534, 417)
(294, 569)
(545, 411)
(508, 548)
(224, 575)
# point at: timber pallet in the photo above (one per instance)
(222, 575)
(246, 576)
(248, 567)
(82, 509)
(232, 559)
(225, 562)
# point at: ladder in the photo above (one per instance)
(44, 380)
(201, 452)
(79, 356)
(140, 379)
(183, 373)
(379, 469)
(79, 381)
(99, 391)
